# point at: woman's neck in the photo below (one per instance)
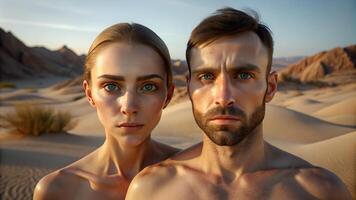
(121, 159)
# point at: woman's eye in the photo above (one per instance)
(244, 76)
(148, 87)
(206, 77)
(111, 87)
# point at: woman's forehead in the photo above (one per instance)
(128, 60)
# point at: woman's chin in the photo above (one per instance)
(133, 140)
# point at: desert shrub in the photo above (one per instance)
(36, 120)
(7, 85)
(31, 89)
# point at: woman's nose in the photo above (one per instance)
(128, 103)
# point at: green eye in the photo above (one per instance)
(244, 76)
(111, 87)
(148, 87)
(207, 77)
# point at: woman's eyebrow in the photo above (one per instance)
(112, 77)
(150, 76)
(122, 78)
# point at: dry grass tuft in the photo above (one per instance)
(35, 120)
(7, 85)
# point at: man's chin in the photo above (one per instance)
(225, 138)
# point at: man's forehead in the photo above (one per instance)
(243, 48)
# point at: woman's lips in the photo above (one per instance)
(130, 125)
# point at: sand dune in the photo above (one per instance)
(345, 110)
(24, 161)
(336, 104)
(317, 125)
(291, 126)
(304, 104)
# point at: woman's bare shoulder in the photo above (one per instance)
(56, 185)
(62, 182)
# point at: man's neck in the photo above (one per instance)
(231, 162)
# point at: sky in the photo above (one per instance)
(300, 27)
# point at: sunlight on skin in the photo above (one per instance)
(228, 89)
(129, 91)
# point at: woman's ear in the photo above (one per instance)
(271, 86)
(169, 95)
(88, 94)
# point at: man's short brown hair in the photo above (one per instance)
(227, 22)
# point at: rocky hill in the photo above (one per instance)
(279, 63)
(322, 65)
(20, 61)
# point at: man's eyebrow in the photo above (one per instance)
(112, 77)
(246, 67)
(200, 70)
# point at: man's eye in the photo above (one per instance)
(110, 87)
(149, 87)
(206, 77)
(244, 76)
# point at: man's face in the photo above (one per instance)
(228, 87)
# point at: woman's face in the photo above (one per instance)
(128, 89)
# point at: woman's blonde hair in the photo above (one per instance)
(133, 34)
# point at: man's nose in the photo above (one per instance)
(223, 92)
(128, 103)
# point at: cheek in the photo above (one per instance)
(105, 107)
(201, 98)
(151, 107)
(252, 95)
(151, 111)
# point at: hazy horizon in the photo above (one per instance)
(300, 28)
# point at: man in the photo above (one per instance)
(229, 55)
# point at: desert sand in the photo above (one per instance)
(318, 125)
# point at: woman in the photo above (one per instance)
(128, 80)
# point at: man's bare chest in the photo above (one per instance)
(204, 187)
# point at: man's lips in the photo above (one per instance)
(225, 117)
(129, 125)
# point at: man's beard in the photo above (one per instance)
(229, 135)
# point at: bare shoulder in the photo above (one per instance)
(154, 178)
(317, 181)
(150, 180)
(280, 159)
(52, 186)
(322, 183)
(59, 183)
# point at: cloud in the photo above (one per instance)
(63, 7)
(49, 25)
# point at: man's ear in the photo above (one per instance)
(88, 94)
(169, 95)
(271, 86)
